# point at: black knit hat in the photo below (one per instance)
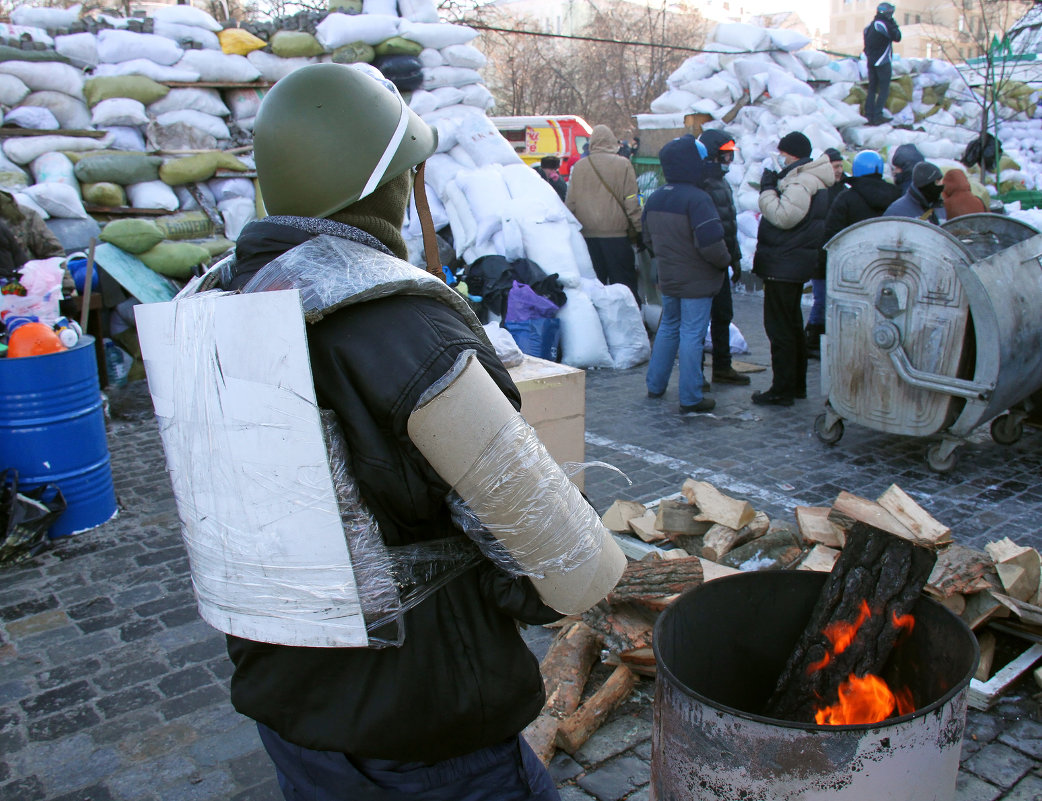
(924, 173)
(833, 154)
(795, 144)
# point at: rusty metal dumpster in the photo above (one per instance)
(933, 330)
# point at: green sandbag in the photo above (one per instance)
(857, 95)
(13, 179)
(186, 225)
(356, 52)
(217, 246)
(199, 167)
(103, 193)
(137, 87)
(398, 46)
(932, 95)
(118, 167)
(295, 44)
(132, 234)
(175, 259)
(8, 53)
(346, 6)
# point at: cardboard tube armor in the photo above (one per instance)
(473, 438)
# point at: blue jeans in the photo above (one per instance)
(878, 91)
(508, 771)
(682, 328)
(817, 311)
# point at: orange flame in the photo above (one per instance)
(906, 622)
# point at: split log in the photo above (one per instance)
(641, 661)
(986, 643)
(653, 580)
(916, 519)
(875, 584)
(620, 513)
(576, 729)
(721, 540)
(1019, 568)
(644, 527)
(541, 736)
(676, 517)
(849, 509)
(821, 559)
(714, 506)
(815, 527)
(980, 608)
(622, 626)
(962, 570)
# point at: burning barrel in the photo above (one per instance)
(720, 649)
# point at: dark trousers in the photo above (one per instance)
(783, 322)
(720, 327)
(614, 261)
(878, 91)
(508, 771)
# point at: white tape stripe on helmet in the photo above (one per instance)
(392, 148)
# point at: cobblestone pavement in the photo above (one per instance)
(111, 687)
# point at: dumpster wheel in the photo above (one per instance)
(939, 461)
(1007, 429)
(830, 435)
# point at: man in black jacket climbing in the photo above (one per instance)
(879, 37)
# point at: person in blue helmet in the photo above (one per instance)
(879, 37)
(681, 225)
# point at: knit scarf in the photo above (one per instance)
(381, 213)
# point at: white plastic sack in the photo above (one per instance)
(478, 96)
(23, 150)
(32, 117)
(787, 39)
(12, 90)
(273, 68)
(464, 226)
(436, 77)
(118, 111)
(673, 101)
(54, 168)
(485, 193)
(737, 343)
(693, 69)
(228, 188)
(46, 76)
(219, 67)
(547, 243)
(186, 15)
(152, 195)
(388, 7)
(236, 211)
(192, 33)
(445, 96)
(25, 202)
(188, 202)
(59, 200)
(337, 29)
(780, 83)
(143, 66)
(812, 59)
(741, 36)
(34, 33)
(207, 101)
(80, 48)
(41, 17)
(582, 337)
(244, 102)
(483, 143)
(422, 102)
(72, 114)
(438, 35)
(212, 125)
(418, 10)
(115, 46)
(506, 348)
(429, 57)
(792, 65)
(622, 323)
(125, 138)
(464, 55)
(439, 170)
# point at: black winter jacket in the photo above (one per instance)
(879, 38)
(716, 185)
(791, 254)
(464, 679)
(867, 197)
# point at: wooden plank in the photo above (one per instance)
(1028, 613)
(982, 695)
(8, 131)
(218, 84)
(131, 211)
(620, 513)
(821, 559)
(134, 275)
(896, 501)
(644, 527)
(848, 509)
(815, 527)
(714, 506)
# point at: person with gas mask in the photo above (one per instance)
(720, 149)
(879, 37)
(434, 711)
(922, 200)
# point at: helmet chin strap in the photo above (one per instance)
(423, 209)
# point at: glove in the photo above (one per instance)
(769, 180)
(736, 273)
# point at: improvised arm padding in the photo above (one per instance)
(474, 439)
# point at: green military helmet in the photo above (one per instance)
(328, 135)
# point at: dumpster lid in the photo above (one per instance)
(986, 234)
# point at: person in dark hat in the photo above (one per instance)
(879, 37)
(816, 319)
(923, 198)
(902, 162)
(548, 170)
(793, 204)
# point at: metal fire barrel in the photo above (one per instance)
(932, 330)
(719, 650)
(52, 430)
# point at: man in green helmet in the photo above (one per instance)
(439, 715)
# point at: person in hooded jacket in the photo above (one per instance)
(793, 204)
(720, 149)
(903, 162)
(816, 318)
(958, 197)
(922, 199)
(879, 37)
(683, 230)
(439, 716)
(603, 196)
(549, 170)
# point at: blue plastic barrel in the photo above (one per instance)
(52, 430)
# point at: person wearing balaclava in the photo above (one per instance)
(879, 37)
(793, 204)
(439, 715)
(816, 318)
(903, 161)
(922, 200)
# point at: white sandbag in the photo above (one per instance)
(24, 201)
(446, 96)
(421, 101)
(187, 33)
(113, 21)
(483, 143)
(547, 243)
(787, 39)
(244, 102)
(12, 90)
(741, 36)
(580, 255)
(418, 10)
(524, 184)
(464, 55)
(780, 83)
(54, 168)
(207, 101)
(188, 202)
(125, 138)
(116, 46)
(792, 65)
(118, 111)
(621, 321)
(582, 337)
(22, 150)
(693, 69)
(812, 59)
(439, 217)
(337, 29)
(714, 88)
(506, 348)
(35, 34)
(464, 226)
(446, 129)
(219, 67)
(227, 188)
(485, 192)
(438, 35)
(152, 195)
(45, 17)
(841, 115)
(388, 7)
(142, 66)
(72, 114)
(791, 105)
(59, 200)
(80, 48)
(208, 123)
(272, 68)
(429, 57)
(439, 170)
(50, 76)
(236, 211)
(436, 77)
(673, 101)
(478, 96)
(186, 15)
(32, 117)
(746, 67)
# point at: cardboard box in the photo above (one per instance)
(553, 402)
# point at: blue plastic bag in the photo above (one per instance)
(524, 303)
(540, 337)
